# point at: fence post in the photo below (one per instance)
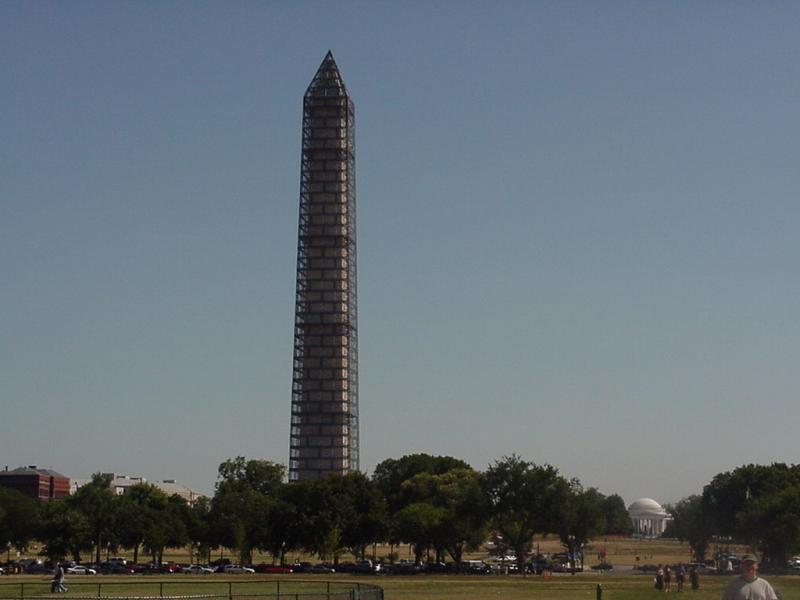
(99, 586)
(161, 589)
(230, 590)
(279, 588)
(21, 591)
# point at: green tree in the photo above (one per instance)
(197, 527)
(364, 519)
(97, 503)
(316, 523)
(618, 521)
(391, 473)
(689, 525)
(457, 517)
(729, 493)
(582, 518)
(142, 517)
(19, 518)
(332, 514)
(755, 504)
(263, 476)
(246, 493)
(64, 531)
(772, 523)
(524, 499)
(417, 524)
(178, 518)
(164, 525)
(465, 524)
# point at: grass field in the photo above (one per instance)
(619, 551)
(421, 587)
(616, 586)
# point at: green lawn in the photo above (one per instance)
(566, 587)
(558, 587)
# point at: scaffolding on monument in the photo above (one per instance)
(324, 423)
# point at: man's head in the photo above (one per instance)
(749, 566)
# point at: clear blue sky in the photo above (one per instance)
(578, 233)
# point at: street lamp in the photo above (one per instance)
(8, 555)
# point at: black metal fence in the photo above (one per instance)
(177, 589)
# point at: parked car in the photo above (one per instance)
(302, 567)
(366, 567)
(118, 559)
(274, 569)
(197, 570)
(603, 566)
(566, 568)
(435, 567)
(144, 569)
(321, 568)
(114, 568)
(702, 568)
(237, 570)
(404, 567)
(345, 567)
(81, 570)
(170, 567)
(475, 567)
(35, 569)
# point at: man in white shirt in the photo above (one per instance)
(749, 586)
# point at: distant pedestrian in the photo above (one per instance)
(694, 577)
(660, 578)
(58, 584)
(667, 579)
(749, 586)
(680, 576)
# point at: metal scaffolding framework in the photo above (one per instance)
(324, 428)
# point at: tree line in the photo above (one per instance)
(439, 505)
(757, 505)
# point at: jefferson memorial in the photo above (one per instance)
(649, 518)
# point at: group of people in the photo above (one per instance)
(748, 586)
(664, 578)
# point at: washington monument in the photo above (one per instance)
(324, 428)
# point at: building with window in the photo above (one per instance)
(40, 484)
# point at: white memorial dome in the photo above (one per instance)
(648, 517)
(647, 507)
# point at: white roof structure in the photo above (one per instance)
(121, 483)
(646, 508)
(649, 517)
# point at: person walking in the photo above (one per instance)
(667, 579)
(59, 579)
(749, 586)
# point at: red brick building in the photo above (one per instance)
(40, 484)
